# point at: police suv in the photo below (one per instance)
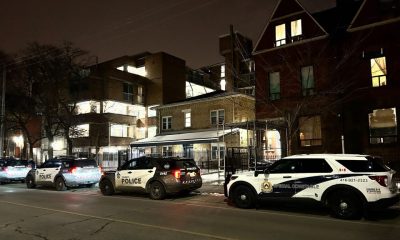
(12, 169)
(346, 183)
(64, 172)
(156, 176)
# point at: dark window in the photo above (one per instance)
(128, 92)
(314, 166)
(15, 162)
(284, 166)
(370, 165)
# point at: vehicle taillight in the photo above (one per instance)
(176, 173)
(72, 170)
(382, 180)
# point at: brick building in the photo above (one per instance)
(329, 81)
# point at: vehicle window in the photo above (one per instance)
(186, 164)
(144, 163)
(313, 165)
(369, 165)
(13, 163)
(85, 163)
(284, 166)
(2, 163)
(131, 165)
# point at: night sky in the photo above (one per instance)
(188, 29)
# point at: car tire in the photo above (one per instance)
(60, 184)
(30, 182)
(106, 187)
(243, 197)
(345, 204)
(157, 191)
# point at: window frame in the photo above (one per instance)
(274, 95)
(308, 91)
(313, 142)
(217, 117)
(281, 41)
(127, 92)
(380, 77)
(168, 122)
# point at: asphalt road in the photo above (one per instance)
(86, 214)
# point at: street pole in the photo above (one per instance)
(3, 104)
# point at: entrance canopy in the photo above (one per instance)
(183, 138)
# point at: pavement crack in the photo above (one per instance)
(101, 228)
(37, 235)
(6, 225)
(80, 221)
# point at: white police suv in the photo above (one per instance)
(346, 183)
(64, 172)
(156, 176)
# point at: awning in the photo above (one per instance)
(183, 138)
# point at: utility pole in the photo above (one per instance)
(3, 107)
(233, 69)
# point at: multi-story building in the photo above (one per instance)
(328, 81)
(113, 104)
(201, 127)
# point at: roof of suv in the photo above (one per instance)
(331, 155)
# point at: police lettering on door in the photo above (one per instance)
(44, 176)
(131, 181)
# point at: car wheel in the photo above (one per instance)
(30, 182)
(60, 184)
(157, 191)
(106, 187)
(345, 204)
(243, 197)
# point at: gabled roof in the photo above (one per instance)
(286, 9)
(375, 13)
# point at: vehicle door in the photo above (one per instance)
(311, 173)
(279, 179)
(134, 174)
(46, 173)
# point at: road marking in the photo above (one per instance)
(119, 221)
(230, 208)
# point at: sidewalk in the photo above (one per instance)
(212, 183)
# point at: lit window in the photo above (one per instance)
(383, 126)
(166, 122)
(79, 131)
(310, 131)
(307, 80)
(274, 86)
(217, 117)
(128, 92)
(222, 71)
(120, 130)
(140, 94)
(295, 28)
(188, 120)
(87, 107)
(124, 109)
(223, 84)
(280, 35)
(378, 71)
(141, 71)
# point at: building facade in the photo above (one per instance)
(328, 81)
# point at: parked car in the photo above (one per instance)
(347, 184)
(153, 175)
(12, 169)
(65, 172)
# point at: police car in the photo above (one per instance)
(155, 176)
(64, 172)
(13, 170)
(346, 183)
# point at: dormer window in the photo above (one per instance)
(280, 35)
(296, 30)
